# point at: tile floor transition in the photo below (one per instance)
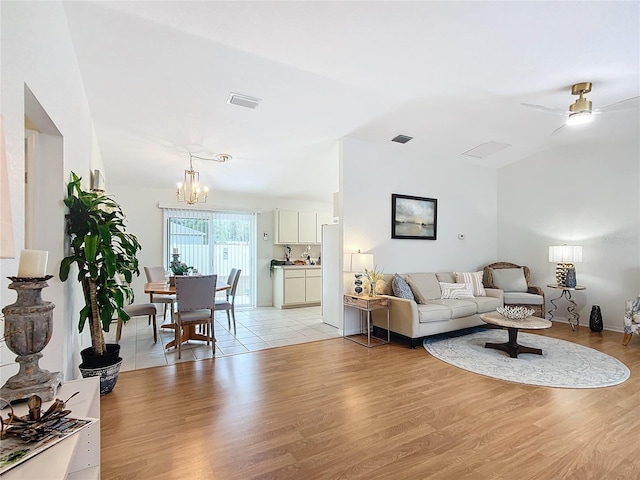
(257, 329)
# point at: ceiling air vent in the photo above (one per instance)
(243, 100)
(486, 149)
(401, 139)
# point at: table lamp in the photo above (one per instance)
(359, 263)
(565, 256)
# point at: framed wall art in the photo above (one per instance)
(414, 217)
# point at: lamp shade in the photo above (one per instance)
(565, 253)
(361, 261)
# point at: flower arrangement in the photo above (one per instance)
(373, 276)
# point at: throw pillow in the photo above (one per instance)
(509, 279)
(424, 286)
(401, 288)
(383, 287)
(475, 279)
(456, 290)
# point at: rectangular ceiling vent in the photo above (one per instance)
(486, 149)
(401, 139)
(243, 100)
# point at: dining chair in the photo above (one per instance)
(195, 297)
(139, 310)
(229, 303)
(156, 275)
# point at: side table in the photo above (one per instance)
(571, 308)
(365, 305)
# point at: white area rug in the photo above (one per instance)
(562, 364)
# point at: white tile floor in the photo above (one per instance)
(257, 329)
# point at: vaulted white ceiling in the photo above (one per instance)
(450, 74)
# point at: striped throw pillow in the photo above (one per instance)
(475, 279)
(456, 290)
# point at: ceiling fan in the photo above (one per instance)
(581, 111)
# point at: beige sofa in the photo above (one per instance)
(434, 314)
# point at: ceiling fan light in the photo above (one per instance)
(579, 118)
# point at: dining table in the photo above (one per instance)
(189, 333)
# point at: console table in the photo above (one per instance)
(571, 308)
(75, 457)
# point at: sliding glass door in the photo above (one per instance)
(214, 242)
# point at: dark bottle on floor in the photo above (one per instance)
(595, 321)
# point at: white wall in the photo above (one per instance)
(580, 195)
(467, 203)
(36, 50)
(140, 204)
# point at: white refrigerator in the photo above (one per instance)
(331, 275)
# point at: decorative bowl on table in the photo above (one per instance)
(515, 313)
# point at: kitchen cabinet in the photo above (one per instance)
(286, 227)
(297, 286)
(313, 286)
(305, 228)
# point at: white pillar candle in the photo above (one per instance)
(175, 250)
(33, 263)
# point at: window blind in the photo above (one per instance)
(214, 242)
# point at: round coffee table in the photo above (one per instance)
(512, 347)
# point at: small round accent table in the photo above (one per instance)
(571, 308)
(512, 347)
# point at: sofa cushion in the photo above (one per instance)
(401, 288)
(456, 290)
(459, 308)
(519, 298)
(425, 286)
(448, 277)
(509, 279)
(431, 312)
(486, 304)
(383, 287)
(475, 279)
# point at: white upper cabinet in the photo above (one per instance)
(286, 227)
(306, 227)
(299, 227)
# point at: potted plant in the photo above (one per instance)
(177, 268)
(104, 255)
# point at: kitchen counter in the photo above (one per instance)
(294, 267)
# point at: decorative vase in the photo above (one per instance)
(27, 330)
(595, 320)
(570, 280)
(372, 289)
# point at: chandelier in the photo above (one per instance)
(190, 190)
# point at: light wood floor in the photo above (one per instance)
(334, 409)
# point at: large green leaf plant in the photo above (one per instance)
(105, 256)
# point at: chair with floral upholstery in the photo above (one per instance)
(631, 319)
